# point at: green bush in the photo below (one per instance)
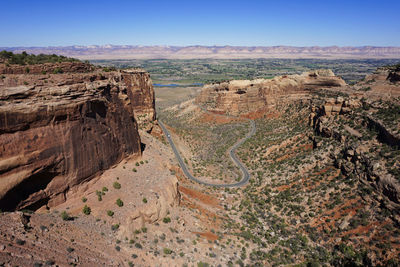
(144, 200)
(167, 251)
(84, 199)
(86, 210)
(57, 71)
(99, 195)
(119, 202)
(117, 185)
(166, 220)
(110, 213)
(65, 216)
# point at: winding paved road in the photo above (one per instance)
(232, 154)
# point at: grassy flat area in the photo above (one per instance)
(166, 71)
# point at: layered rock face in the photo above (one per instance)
(59, 130)
(141, 93)
(353, 152)
(244, 96)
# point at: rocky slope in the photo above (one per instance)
(61, 128)
(325, 174)
(244, 96)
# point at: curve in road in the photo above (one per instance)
(232, 154)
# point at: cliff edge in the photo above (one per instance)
(61, 128)
(246, 96)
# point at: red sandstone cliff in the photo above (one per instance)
(59, 130)
(244, 96)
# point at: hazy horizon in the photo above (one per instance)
(194, 45)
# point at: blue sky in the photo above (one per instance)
(169, 22)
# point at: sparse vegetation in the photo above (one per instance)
(24, 58)
(110, 213)
(119, 202)
(86, 210)
(166, 220)
(117, 185)
(65, 216)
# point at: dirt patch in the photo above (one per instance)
(209, 218)
(207, 235)
(203, 198)
(261, 113)
(207, 117)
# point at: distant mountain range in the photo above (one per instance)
(217, 52)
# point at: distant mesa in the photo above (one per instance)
(216, 52)
(246, 96)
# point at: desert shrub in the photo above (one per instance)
(167, 220)
(110, 213)
(119, 202)
(65, 216)
(57, 71)
(20, 242)
(117, 185)
(144, 200)
(167, 251)
(86, 210)
(84, 199)
(99, 195)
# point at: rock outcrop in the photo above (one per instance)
(141, 93)
(244, 96)
(353, 152)
(59, 130)
(168, 197)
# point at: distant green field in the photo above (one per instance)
(166, 71)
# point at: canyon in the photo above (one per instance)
(87, 176)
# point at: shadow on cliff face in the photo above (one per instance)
(142, 147)
(16, 198)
